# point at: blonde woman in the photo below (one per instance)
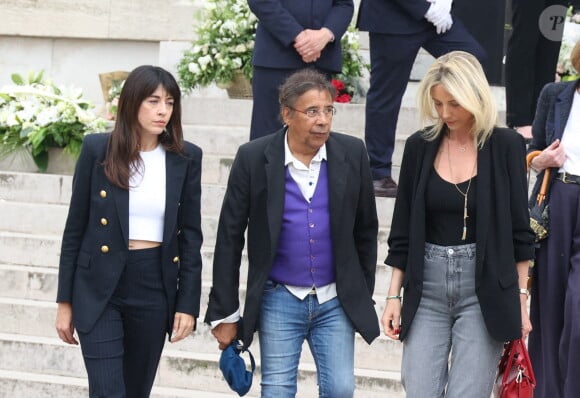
(460, 241)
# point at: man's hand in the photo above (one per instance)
(182, 326)
(439, 14)
(225, 333)
(309, 43)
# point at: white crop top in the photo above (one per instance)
(147, 197)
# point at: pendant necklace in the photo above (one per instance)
(462, 148)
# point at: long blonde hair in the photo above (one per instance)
(461, 74)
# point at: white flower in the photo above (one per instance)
(237, 63)
(240, 48)
(204, 61)
(193, 68)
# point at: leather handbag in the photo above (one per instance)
(539, 206)
(515, 377)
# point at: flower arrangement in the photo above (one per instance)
(353, 68)
(36, 114)
(224, 45)
(564, 68)
(225, 42)
(343, 94)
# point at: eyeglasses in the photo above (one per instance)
(312, 113)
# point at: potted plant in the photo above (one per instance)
(37, 115)
(223, 48)
(222, 51)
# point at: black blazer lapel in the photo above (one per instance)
(337, 172)
(175, 167)
(275, 183)
(483, 205)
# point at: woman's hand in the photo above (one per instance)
(182, 326)
(551, 156)
(391, 319)
(64, 325)
(526, 323)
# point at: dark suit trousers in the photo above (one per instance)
(530, 61)
(122, 351)
(266, 106)
(392, 58)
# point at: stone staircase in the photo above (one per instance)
(33, 207)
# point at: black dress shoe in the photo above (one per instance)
(385, 187)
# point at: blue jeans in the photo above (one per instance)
(449, 320)
(285, 322)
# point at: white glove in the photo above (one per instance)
(439, 15)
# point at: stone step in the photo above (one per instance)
(31, 310)
(33, 280)
(40, 385)
(349, 117)
(49, 218)
(178, 369)
(43, 249)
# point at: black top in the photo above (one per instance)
(444, 211)
(504, 236)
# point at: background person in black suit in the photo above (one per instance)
(460, 240)
(531, 60)
(305, 196)
(133, 230)
(397, 30)
(291, 35)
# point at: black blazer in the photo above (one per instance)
(96, 236)
(255, 199)
(280, 21)
(503, 234)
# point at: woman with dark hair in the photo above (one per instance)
(130, 264)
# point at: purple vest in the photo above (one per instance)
(304, 256)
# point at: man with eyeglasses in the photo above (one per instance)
(306, 196)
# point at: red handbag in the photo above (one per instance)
(515, 377)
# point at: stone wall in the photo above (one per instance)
(75, 40)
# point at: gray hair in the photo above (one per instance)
(300, 82)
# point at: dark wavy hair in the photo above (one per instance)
(123, 146)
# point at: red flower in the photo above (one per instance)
(338, 85)
(343, 98)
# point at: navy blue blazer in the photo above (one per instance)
(255, 199)
(280, 21)
(552, 112)
(96, 236)
(503, 234)
(393, 16)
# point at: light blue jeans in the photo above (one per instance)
(449, 321)
(285, 322)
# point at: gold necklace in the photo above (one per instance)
(464, 234)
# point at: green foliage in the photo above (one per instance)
(224, 45)
(225, 42)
